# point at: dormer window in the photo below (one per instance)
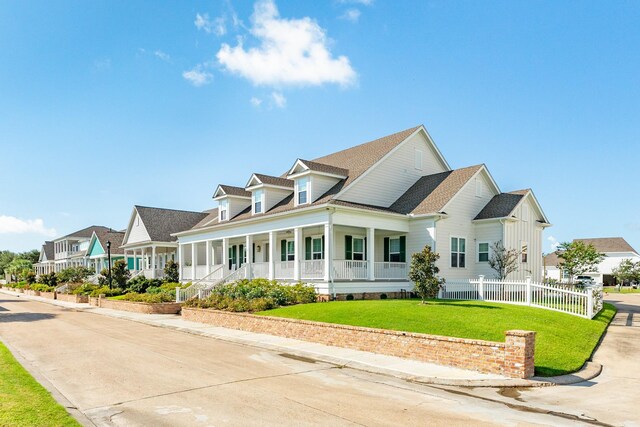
(303, 190)
(224, 210)
(257, 201)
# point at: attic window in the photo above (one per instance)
(224, 210)
(418, 159)
(257, 201)
(303, 193)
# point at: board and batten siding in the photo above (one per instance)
(486, 232)
(394, 175)
(462, 209)
(138, 232)
(518, 231)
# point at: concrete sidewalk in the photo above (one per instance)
(421, 372)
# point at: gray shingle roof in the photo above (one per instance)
(431, 193)
(115, 237)
(608, 244)
(323, 167)
(274, 180)
(231, 190)
(161, 223)
(501, 205)
(48, 250)
(86, 232)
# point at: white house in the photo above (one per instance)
(615, 249)
(349, 222)
(148, 242)
(71, 250)
(46, 261)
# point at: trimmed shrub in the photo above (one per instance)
(104, 290)
(147, 298)
(29, 277)
(171, 272)
(49, 279)
(40, 287)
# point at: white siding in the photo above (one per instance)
(321, 184)
(273, 196)
(420, 234)
(489, 232)
(390, 179)
(237, 205)
(138, 232)
(461, 210)
(530, 231)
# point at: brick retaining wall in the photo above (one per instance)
(140, 307)
(73, 298)
(512, 358)
(48, 295)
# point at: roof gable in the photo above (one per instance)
(268, 180)
(229, 190)
(608, 244)
(161, 223)
(301, 166)
(47, 252)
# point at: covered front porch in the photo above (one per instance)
(150, 259)
(316, 253)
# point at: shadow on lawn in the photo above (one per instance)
(24, 317)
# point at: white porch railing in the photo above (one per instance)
(312, 269)
(585, 302)
(391, 270)
(238, 274)
(285, 269)
(214, 276)
(260, 270)
(187, 273)
(201, 271)
(350, 270)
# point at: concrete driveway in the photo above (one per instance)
(610, 398)
(119, 372)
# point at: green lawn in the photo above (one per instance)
(614, 290)
(24, 402)
(563, 342)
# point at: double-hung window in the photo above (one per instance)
(303, 190)
(525, 251)
(224, 210)
(458, 252)
(291, 250)
(483, 252)
(358, 249)
(316, 248)
(394, 249)
(257, 201)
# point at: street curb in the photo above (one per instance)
(589, 371)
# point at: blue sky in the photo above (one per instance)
(108, 104)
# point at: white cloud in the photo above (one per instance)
(198, 77)
(162, 55)
(13, 225)
(256, 102)
(553, 243)
(291, 52)
(217, 26)
(352, 15)
(278, 99)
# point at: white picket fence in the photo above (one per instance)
(586, 302)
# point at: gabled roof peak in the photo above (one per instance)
(274, 181)
(230, 190)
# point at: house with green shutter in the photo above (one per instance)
(349, 222)
(97, 253)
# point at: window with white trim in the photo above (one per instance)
(258, 196)
(525, 251)
(303, 190)
(316, 248)
(483, 251)
(394, 249)
(357, 246)
(223, 207)
(291, 250)
(458, 252)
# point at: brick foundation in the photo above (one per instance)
(72, 298)
(48, 295)
(512, 358)
(140, 307)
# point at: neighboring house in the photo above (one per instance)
(349, 222)
(97, 254)
(615, 249)
(71, 250)
(148, 242)
(46, 262)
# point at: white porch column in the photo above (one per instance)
(272, 255)
(328, 253)
(371, 254)
(194, 260)
(207, 244)
(180, 261)
(249, 246)
(225, 255)
(153, 262)
(297, 238)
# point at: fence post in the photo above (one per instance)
(528, 290)
(481, 287)
(590, 303)
(199, 293)
(178, 289)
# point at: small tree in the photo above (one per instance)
(120, 274)
(171, 272)
(503, 261)
(627, 271)
(18, 267)
(49, 279)
(423, 273)
(73, 274)
(577, 258)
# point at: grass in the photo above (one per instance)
(614, 290)
(23, 401)
(563, 342)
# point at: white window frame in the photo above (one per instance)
(293, 254)
(524, 247)
(307, 181)
(223, 210)
(488, 251)
(451, 252)
(364, 249)
(257, 197)
(394, 253)
(313, 252)
(418, 159)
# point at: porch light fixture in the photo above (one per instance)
(258, 248)
(109, 260)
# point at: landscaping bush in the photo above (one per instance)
(49, 279)
(73, 275)
(29, 277)
(168, 288)
(140, 284)
(40, 287)
(255, 295)
(84, 289)
(171, 272)
(120, 274)
(148, 298)
(104, 290)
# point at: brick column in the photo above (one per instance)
(519, 352)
